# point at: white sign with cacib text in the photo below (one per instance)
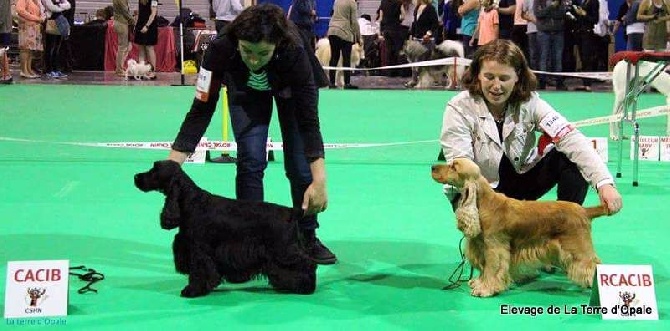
(36, 288)
(625, 292)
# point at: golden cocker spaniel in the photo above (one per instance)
(509, 239)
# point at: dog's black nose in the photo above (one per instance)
(138, 181)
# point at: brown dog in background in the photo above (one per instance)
(509, 240)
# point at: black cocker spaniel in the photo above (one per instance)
(226, 240)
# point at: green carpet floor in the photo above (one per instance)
(388, 222)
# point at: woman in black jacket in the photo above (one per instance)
(260, 58)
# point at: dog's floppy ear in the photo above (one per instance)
(467, 214)
(171, 213)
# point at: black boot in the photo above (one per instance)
(317, 250)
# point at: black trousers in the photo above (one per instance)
(337, 46)
(555, 169)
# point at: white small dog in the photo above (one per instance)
(322, 53)
(137, 70)
(661, 84)
(429, 76)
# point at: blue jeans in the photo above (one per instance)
(550, 42)
(250, 122)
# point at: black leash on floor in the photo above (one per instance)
(88, 275)
(456, 279)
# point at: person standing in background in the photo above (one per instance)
(303, 14)
(53, 43)
(5, 22)
(531, 32)
(550, 22)
(469, 12)
(451, 21)
(425, 29)
(407, 8)
(66, 57)
(225, 12)
(586, 17)
(656, 14)
(146, 33)
(621, 19)
(343, 32)
(30, 34)
(488, 24)
(391, 32)
(634, 28)
(122, 23)
(519, 36)
(506, 10)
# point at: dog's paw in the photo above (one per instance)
(191, 291)
(475, 282)
(481, 290)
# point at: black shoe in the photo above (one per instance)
(317, 250)
(332, 86)
(350, 87)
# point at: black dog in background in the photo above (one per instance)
(226, 240)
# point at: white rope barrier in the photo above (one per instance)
(644, 113)
(226, 146)
(460, 61)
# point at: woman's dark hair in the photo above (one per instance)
(507, 53)
(265, 22)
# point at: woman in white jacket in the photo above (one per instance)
(494, 123)
(54, 9)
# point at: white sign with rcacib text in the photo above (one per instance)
(36, 288)
(625, 292)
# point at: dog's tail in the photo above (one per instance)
(593, 212)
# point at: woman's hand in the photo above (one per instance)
(144, 29)
(315, 199)
(610, 197)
